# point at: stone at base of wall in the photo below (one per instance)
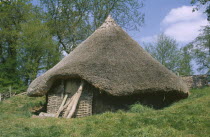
(42, 114)
(196, 81)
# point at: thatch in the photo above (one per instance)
(113, 62)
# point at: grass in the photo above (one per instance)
(188, 118)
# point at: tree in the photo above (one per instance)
(36, 50)
(200, 49)
(11, 15)
(73, 21)
(202, 2)
(26, 45)
(185, 67)
(166, 51)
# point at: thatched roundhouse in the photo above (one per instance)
(117, 72)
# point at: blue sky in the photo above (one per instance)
(172, 17)
(156, 10)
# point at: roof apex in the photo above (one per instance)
(108, 22)
(109, 19)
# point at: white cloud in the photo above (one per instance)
(185, 31)
(183, 13)
(182, 24)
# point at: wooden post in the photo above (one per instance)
(62, 94)
(177, 73)
(10, 90)
(0, 97)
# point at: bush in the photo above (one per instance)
(138, 108)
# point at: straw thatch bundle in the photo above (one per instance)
(113, 62)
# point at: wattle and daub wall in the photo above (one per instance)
(95, 101)
(59, 90)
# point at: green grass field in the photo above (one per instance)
(189, 117)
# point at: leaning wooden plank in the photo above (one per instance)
(76, 99)
(61, 106)
(69, 105)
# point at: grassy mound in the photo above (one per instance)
(189, 117)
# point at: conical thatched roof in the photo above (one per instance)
(113, 62)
